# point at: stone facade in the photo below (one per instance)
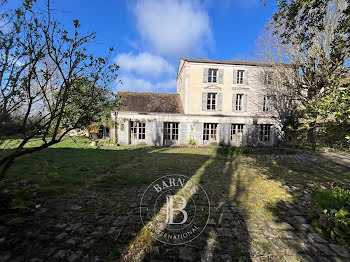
(214, 108)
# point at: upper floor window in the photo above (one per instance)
(138, 130)
(211, 101)
(237, 132)
(171, 131)
(265, 132)
(240, 76)
(239, 102)
(266, 103)
(212, 75)
(210, 131)
(268, 78)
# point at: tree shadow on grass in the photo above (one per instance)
(300, 175)
(103, 219)
(100, 220)
(225, 237)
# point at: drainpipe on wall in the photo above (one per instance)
(115, 127)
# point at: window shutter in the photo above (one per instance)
(263, 78)
(273, 135)
(272, 77)
(234, 102)
(219, 101)
(246, 77)
(273, 104)
(204, 101)
(245, 102)
(221, 76)
(234, 76)
(205, 75)
(227, 134)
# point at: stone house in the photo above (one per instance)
(217, 103)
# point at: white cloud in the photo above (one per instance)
(173, 27)
(144, 63)
(141, 85)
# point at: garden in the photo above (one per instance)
(81, 202)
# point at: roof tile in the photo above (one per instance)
(148, 102)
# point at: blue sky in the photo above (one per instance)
(150, 36)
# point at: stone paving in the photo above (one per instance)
(100, 224)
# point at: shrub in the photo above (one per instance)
(232, 151)
(191, 142)
(334, 198)
(331, 214)
(307, 146)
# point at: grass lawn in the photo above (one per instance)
(68, 165)
(266, 187)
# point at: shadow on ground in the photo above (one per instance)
(255, 202)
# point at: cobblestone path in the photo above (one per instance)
(257, 213)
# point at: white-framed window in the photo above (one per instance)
(239, 102)
(212, 75)
(265, 132)
(268, 78)
(171, 131)
(138, 130)
(266, 103)
(240, 76)
(237, 132)
(211, 101)
(210, 131)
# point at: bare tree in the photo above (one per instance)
(317, 72)
(50, 84)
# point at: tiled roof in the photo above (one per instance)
(148, 102)
(227, 62)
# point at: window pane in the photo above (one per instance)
(212, 75)
(211, 101)
(240, 74)
(239, 102)
(171, 131)
(265, 132)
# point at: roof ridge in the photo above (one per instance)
(233, 62)
(146, 92)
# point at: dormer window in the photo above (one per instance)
(212, 75)
(240, 76)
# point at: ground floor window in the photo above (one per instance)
(138, 130)
(210, 131)
(171, 131)
(237, 132)
(265, 132)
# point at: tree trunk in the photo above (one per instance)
(311, 133)
(5, 168)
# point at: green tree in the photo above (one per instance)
(49, 81)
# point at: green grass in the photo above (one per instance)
(232, 151)
(252, 180)
(68, 165)
(334, 198)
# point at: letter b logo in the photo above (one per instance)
(171, 209)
